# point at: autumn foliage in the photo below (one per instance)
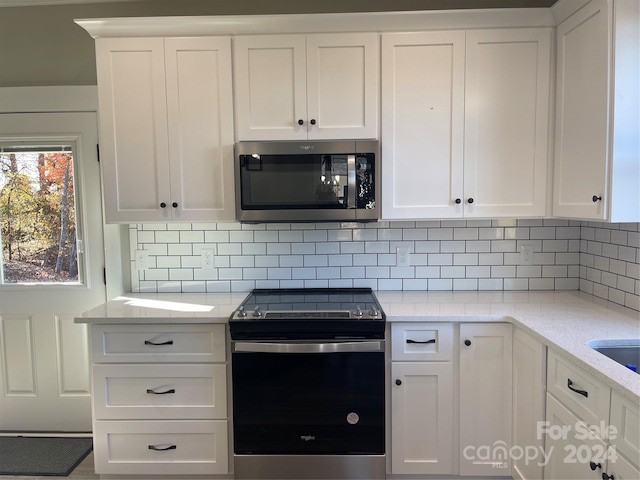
(37, 216)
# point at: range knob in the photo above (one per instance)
(257, 312)
(373, 312)
(241, 312)
(358, 312)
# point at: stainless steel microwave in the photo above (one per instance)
(314, 181)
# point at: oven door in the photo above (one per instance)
(308, 398)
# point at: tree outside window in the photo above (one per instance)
(37, 215)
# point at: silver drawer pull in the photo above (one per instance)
(433, 340)
(149, 390)
(162, 449)
(149, 342)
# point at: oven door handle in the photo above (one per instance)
(319, 347)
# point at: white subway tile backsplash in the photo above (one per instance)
(601, 259)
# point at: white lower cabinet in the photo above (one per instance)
(422, 417)
(426, 402)
(485, 398)
(161, 447)
(624, 438)
(571, 454)
(592, 431)
(160, 400)
(529, 376)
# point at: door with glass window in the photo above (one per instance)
(51, 268)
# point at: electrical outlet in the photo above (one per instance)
(142, 260)
(207, 258)
(403, 257)
(526, 254)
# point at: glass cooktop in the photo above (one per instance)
(308, 313)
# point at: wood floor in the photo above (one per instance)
(84, 471)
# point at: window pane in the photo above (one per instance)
(37, 214)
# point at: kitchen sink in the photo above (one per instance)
(624, 351)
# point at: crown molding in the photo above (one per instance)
(317, 23)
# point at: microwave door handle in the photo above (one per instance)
(351, 181)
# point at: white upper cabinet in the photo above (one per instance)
(166, 128)
(465, 123)
(506, 146)
(597, 150)
(299, 87)
(422, 124)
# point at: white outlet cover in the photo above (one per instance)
(403, 257)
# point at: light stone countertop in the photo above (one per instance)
(154, 308)
(564, 321)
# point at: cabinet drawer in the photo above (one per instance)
(421, 341)
(583, 394)
(625, 417)
(173, 448)
(158, 343)
(160, 391)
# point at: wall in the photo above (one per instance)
(610, 262)
(601, 259)
(42, 46)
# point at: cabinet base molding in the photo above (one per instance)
(166, 477)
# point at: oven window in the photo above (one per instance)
(308, 403)
(293, 181)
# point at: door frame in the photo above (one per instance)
(76, 99)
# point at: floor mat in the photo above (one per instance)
(42, 456)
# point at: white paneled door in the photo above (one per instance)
(44, 359)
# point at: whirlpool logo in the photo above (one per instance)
(307, 438)
(307, 147)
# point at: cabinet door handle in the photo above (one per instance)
(398, 382)
(163, 205)
(467, 342)
(163, 449)
(595, 198)
(149, 342)
(149, 390)
(607, 477)
(174, 204)
(573, 389)
(458, 201)
(593, 465)
(313, 121)
(300, 122)
(433, 340)
(470, 200)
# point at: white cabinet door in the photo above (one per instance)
(569, 452)
(297, 87)
(270, 77)
(485, 399)
(422, 418)
(342, 85)
(506, 122)
(133, 129)
(529, 367)
(166, 124)
(597, 172)
(618, 468)
(200, 119)
(422, 124)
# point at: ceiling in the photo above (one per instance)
(424, 5)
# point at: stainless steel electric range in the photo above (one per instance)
(308, 385)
